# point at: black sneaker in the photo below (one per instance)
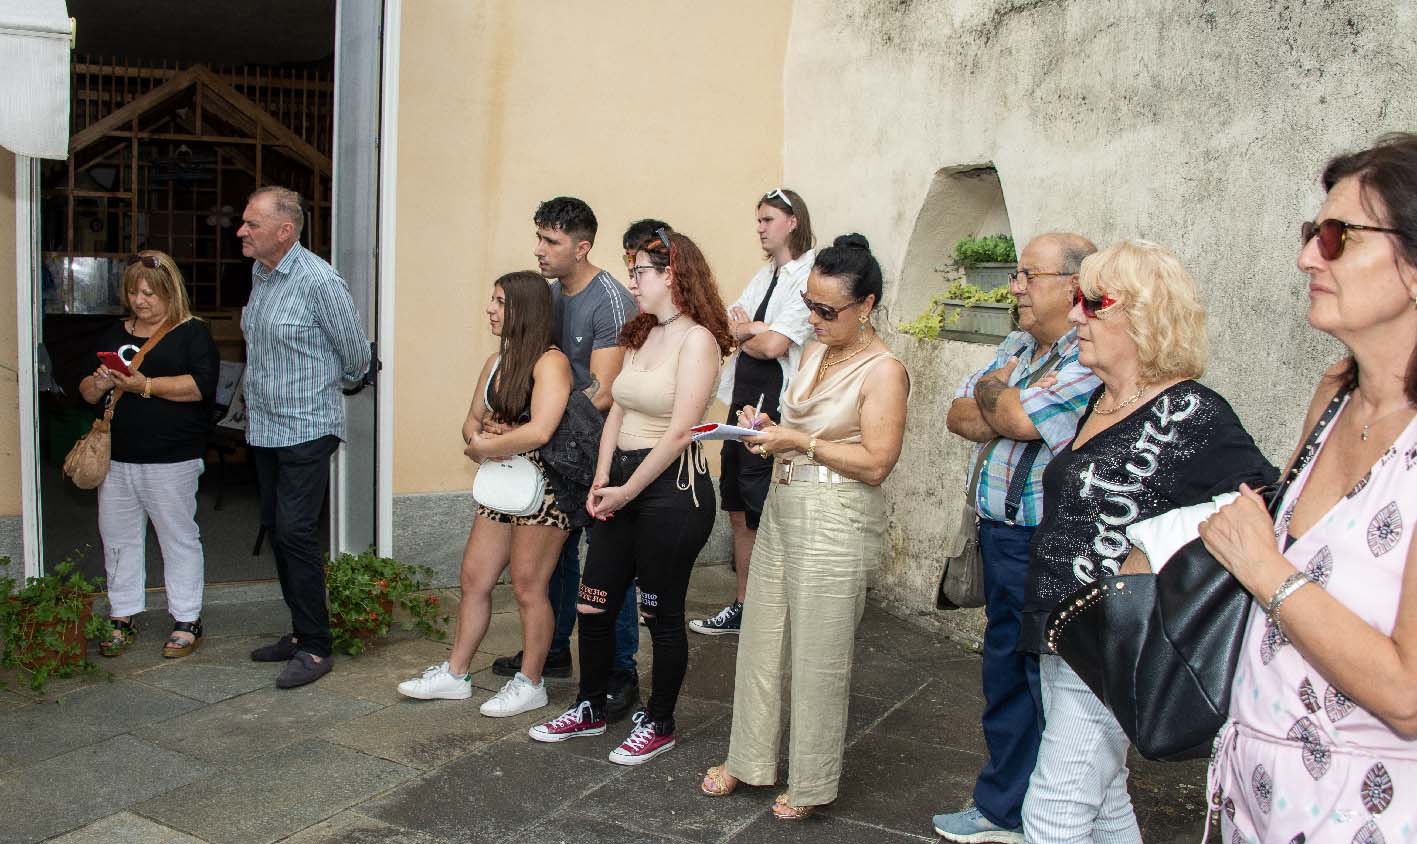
(302, 670)
(281, 651)
(558, 665)
(622, 696)
(728, 620)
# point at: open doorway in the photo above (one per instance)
(180, 108)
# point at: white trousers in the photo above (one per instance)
(132, 494)
(1078, 791)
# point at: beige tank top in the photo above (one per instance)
(647, 398)
(833, 412)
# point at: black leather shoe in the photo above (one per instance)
(558, 665)
(621, 698)
(281, 651)
(303, 669)
(507, 666)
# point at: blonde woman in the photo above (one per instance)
(158, 435)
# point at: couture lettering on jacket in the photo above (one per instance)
(1119, 508)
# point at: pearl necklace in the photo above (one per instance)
(1137, 395)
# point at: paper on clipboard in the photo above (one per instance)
(720, 431)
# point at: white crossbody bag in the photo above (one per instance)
(511, 485)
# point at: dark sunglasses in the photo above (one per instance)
(663, 235)
(1091, 306)
(826, 312)
(149, 261)
(1333, 235)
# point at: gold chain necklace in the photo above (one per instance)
(826, 364)
(1100, 412)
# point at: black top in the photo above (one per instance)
(753, 377)
(156, 430)
(1183, 447)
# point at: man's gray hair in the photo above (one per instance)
(1072, 248)
(286, 203)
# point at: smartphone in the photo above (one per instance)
(115, 362)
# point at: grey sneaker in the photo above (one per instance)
(971, 826)
(728, 620)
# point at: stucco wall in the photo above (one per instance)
(1199, 125)
(658, 109)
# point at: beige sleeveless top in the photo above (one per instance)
(833, 412)
(647, 398)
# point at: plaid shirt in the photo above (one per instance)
(303, 338)
(1054, 411)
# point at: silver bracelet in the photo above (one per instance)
(1293, 583)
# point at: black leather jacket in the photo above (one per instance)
(570, 457)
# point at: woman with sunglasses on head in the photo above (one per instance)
(821, 537)
(524, 388)
(1150, 440)
(1322, 739)
(158, 436)
(651, 495)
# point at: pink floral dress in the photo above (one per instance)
(1299, 761)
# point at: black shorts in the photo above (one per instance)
(743, 481)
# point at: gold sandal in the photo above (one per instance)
(120, 636)
(784, 811)
(716, 783)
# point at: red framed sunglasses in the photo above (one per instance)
(1091, 306)
(1333, 235)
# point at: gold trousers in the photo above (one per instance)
(816, 548)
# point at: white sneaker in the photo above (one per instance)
(516, 697)
(438, 684)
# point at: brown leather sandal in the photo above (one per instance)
(176, 647)
(784, 811)
(716, 783)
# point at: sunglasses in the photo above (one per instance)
(1091, 306)
(826, 312)
(663, 235)
(776, 193)
(149, 261)
(1333, 235)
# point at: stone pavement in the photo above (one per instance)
(205, 749)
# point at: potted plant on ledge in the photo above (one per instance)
(987, 261)
(365, 590)
(45, 624)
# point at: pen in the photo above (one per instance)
(758, 409)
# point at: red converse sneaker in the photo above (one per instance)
(643, 744)
(579, 720)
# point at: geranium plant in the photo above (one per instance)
(46, 621)
(365, 591)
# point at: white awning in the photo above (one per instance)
(35, 39)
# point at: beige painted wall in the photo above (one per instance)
(666, 109)
(9, 348)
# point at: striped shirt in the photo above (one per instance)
(1054, 411)
(303, 338)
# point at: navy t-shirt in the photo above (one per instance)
(1183, 447)
(157, 430)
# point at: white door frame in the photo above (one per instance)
(26, 306)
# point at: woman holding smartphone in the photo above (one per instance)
(524, 389)
(651, 495)
(158, 436)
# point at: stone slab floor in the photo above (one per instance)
(205, 749)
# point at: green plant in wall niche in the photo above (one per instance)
(365, 589)
(989, 249)
(946, 308)
(46, 621)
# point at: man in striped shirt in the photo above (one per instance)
(303, 340)
(1021, 409)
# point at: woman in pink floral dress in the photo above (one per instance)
(1322, 741)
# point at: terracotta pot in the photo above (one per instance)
(71, 633)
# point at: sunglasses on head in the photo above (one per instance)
(826, 312)
(1091, 306)
(663, 235)
(149, 261)
(1333, 235)
(776, 193)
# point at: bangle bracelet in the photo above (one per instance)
(1293, 583)
(812, 449)
(147, 388)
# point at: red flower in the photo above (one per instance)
(383, 585)
(432, 600)
(373, 616)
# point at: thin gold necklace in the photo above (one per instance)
(826, 364)
(1100, 412)
(1364, 433)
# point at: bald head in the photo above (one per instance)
(1049, 263)
(1067, 249)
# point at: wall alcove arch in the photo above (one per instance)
(963, 200)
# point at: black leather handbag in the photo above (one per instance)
(1161, 650)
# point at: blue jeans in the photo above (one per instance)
(1013, 707)
(562, 589)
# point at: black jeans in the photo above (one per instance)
(293, 480)
(652, 541)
